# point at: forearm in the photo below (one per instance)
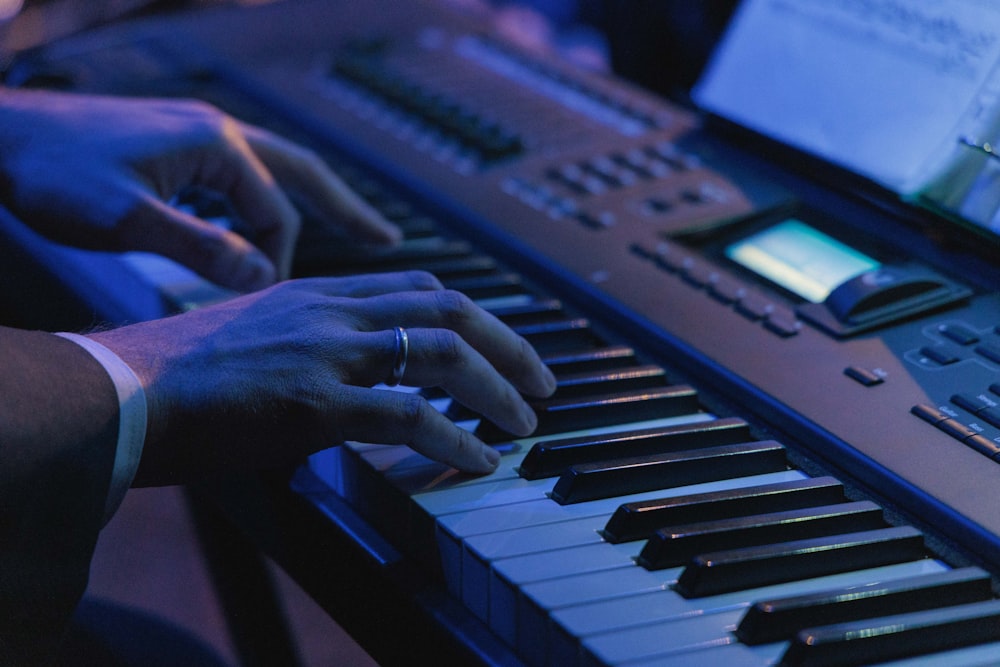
(58, 431)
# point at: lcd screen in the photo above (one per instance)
(800, 259)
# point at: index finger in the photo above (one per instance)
(232, 168)
(298, 167)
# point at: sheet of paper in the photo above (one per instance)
(883, 87)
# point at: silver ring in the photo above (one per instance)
(402, 352)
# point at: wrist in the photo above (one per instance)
(132, 418)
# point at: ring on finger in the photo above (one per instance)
(399, 360)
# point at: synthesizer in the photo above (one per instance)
(728, 473)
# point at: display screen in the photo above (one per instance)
(800, 259)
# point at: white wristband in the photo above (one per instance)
(131, 420)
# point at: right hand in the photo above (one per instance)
(273, 376)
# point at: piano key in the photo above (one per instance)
(510, 301)
(551, 457)
(768, 655)
(590, 481)
(590, 383)
(488, 286)
(486, 536)
(421, 495)
(674, 546)
(638, 520)
(619, 379)
(899, 636)
(511, 574)
(410, 254)
(462, 525)
(563, 335)
(981, 655)
(568, 610)
(579, 361)
(779, 619)
(481, 553)
(539, 310)
(462, 267)
(571, 414)
(455, 529)
(722, 571)
(678, 636)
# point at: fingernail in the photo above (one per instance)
(255, 272)
(529, 419)
(550, 379)
(492, 457)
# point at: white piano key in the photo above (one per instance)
(480, 552)
(454, 530)
(739, 655)
(715, 626)
(673, 637)
(463, 525)
(508, 576)
(571, 609)
(731, 654)
(972, 656)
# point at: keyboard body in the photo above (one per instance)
(590, 191)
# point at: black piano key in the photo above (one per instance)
(551, 457)
(579, 361)
(591, 481)
(460, 268)
(777, 620)
(676, 545)
(418, 226)
(588, 384)
(573, 414)
(738, 569)
(533, 312)
(561, 335)
(895, 637)
(411, 254)
(490, 286)
(639, 520)
(621, 379)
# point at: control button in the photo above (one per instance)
(658, 205)
(754, 307)
(973, 403)
(863, 375)
(697, 274)
(990, 415)
(958, 333)
(991, 352)
(641, 251)
(929, 414)
(984, 445)
(782, 323)
(692, 196)
(670, 258)
(727, 291)
(601, 220)
(956, 429)
(939, 355)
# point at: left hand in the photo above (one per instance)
(98, 172)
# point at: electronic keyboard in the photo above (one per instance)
(727, 474)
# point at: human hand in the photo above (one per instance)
(273, 376)
(98, 172)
